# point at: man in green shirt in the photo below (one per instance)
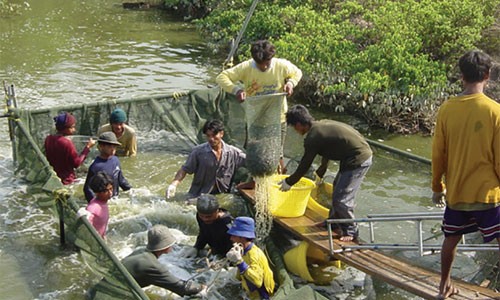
(332, 140)
(144, 266)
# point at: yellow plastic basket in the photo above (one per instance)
(292, 203)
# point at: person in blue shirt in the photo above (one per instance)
(107, 162)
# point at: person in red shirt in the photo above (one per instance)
(60, 150)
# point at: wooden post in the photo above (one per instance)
(60, 212)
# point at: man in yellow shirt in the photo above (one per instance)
(466, 154)
(263, 74)
(124, 133)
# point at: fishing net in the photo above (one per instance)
(169, 123)
(263, 143)
(263, 147)
(32, 165)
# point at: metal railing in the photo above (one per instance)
(418, 218)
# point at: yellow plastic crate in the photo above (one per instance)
(292, 203)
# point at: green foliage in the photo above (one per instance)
(391, 62)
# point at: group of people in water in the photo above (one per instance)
(465, 165)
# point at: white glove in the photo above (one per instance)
(189, 252)
(284, 187)
(234, 255)
(439, 198)
(82, 212)
(171, 191)
(203, 293)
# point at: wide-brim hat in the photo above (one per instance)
(108, 137)
(160, 238)
(243, 227)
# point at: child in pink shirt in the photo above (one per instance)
(97, 211)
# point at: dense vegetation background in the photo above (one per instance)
(390, 62)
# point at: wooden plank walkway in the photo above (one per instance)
(414, 279)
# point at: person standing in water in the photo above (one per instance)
(144, 266)
(124, 133)
(213, 223)
(109, 163)
(213, 164)
(60, 150)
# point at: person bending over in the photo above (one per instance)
(332, 140)
(144, 266)
(213, 223)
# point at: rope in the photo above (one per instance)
(234, 44)
(62, 195)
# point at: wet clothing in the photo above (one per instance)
(147, 270)
(466, 152)
(99, 216)
(62, 156)
(338, 141)
(128, 140)
(113, 168)
(255, 274)
(458, 222)
(215, 235)
(212, 176)
(254, 82)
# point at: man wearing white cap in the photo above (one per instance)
(144, 266)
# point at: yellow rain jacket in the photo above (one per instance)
(257, 275)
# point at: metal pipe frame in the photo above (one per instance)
(432, 248)
(418, 218)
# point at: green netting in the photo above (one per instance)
(167, 123)
(33, 166)
(264, 133)
(176, 118)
